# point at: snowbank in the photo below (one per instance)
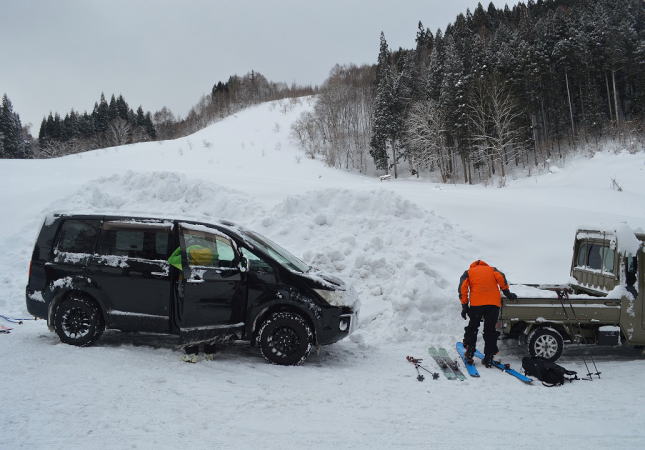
(388, 249)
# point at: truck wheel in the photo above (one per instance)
(285, 338)
(546, 343)
(78, 321)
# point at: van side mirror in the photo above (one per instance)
(244, 264)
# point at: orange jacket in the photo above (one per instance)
(484, 283)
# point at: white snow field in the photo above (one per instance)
(401, 244)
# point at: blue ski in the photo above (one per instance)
(472, 370)
(506, 368)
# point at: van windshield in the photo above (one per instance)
(278, 253)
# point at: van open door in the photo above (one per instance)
(212, 287)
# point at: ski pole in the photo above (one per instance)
(417, 366)
(13, 320)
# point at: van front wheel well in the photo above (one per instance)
(264, 315)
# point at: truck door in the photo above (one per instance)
(131, 272)
(213, 289)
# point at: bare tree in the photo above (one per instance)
(338, 129)
(425, 138)
(119, 131)
(55, 149)
(496, 132)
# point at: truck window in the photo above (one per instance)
(607, 259)
(583, 252)
(151, 244)
(208, 250)
(595, 257)
(78, 236)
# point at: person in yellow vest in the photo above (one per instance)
(198, 255)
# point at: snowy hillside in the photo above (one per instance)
(402, 245)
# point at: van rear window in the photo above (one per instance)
(78, 236)
(135, 243)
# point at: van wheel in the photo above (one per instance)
(285, 338)
(78, 321)
(546, 343)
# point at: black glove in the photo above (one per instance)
(508, 294)
(464, 310)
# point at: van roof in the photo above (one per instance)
(222, 224)
(147, 217)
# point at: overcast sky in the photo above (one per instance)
(57, 55)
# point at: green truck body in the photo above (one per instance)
(602, 304)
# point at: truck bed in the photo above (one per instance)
(544, 305)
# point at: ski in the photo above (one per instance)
(5, 330)
(506, 368)
(472, 370)
(443, 365)
(454, 365)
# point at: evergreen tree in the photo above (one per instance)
(382, 119)
(101, 115)
(434, 75)
(113, 110)
(12, 143)
(149, 126)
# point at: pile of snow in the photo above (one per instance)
(628, 243)
(159, 194)
(390, 250)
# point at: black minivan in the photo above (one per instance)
(204, 282)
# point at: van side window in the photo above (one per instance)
(256, 264)
(78, 236)
(151, 244)
(208, 250)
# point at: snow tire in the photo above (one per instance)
(78, 321)
(285, 338)
(546, 343)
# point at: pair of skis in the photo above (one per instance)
(472, 370)
(448, 366)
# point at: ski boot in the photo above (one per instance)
(209, 352)
(191, 354)
(469, 355)
(487, 361)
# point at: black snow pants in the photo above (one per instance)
(489, 313)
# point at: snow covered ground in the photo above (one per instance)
(401, 244)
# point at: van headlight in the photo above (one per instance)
(334, 298)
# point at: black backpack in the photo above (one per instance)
(549, 373)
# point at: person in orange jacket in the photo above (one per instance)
(480, 285)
